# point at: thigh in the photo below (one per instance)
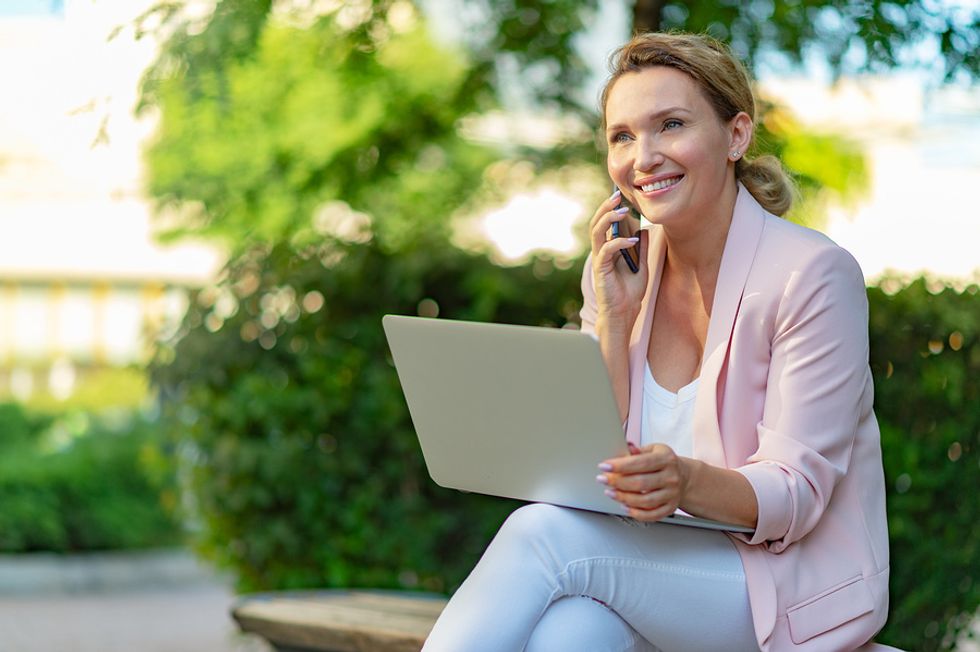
(682, 588)
(580, 624)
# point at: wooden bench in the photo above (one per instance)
(353, 621)
(340, 621)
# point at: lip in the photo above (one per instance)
(639, 183)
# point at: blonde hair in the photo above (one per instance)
(727, 87)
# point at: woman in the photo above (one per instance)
(738, 354)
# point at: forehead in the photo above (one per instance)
(637, 94)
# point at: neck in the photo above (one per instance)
(695, 248)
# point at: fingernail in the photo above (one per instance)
(622, 210)
(626, 509)
(609, 492)
(605, 466)
(601, 479)
(632, 239)
(615, 194)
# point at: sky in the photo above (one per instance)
(71, 197)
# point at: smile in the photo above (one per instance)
(661, 184)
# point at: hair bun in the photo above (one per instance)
(767, 181)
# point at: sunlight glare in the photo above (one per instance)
(542, 221)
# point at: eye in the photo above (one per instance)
(672, 124)
(620, 137)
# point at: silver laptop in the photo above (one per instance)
(513, 411)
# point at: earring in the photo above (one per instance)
(736, 154)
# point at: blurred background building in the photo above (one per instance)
(84, 285)
(922, 145)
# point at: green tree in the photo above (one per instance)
(255, 148)
(326, 138)
(852, 35)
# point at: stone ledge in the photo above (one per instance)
(46, 573)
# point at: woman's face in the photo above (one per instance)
(668, 150)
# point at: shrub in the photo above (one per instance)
(92, 494)
(925, 356)
(303, 461)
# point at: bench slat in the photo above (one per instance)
(342, 621)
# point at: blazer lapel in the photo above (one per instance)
(640, 337)
(748, 220)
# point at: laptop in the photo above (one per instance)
(513, 411)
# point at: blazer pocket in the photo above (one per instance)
(832, 608)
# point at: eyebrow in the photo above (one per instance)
(653, 117)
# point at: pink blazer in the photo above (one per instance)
(785, 398)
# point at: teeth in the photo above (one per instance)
(660, 185)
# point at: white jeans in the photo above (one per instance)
(659, 587)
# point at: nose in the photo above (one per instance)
(648, 154)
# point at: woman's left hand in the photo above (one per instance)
(650, 482)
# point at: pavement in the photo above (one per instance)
(163, 601)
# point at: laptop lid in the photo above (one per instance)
(513, 411)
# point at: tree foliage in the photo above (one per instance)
(254, 150)
(852, 35)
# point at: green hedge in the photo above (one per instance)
(303, 462)
(306, 471)
(925, 356)
(93, 493)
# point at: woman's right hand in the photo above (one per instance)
(618, 290)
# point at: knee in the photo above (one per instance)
(580, 623)
(536, 519)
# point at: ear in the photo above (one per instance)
(740, 129)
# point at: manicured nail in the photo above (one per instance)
(626, 509)
(634, 240)
(615, 194)
(609, 492)
(605, 466)
(601, 479)
(622, 210)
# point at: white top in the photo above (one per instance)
(668, 418)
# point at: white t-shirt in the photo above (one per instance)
(668, 418)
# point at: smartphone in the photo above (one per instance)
(631, 255)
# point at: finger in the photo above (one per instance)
(650, 501)
(604, 209)
(644, 483)
(649, 515)
(650, 459)
(607, 205)
(600, 227)
(608, 254)
(641, 463)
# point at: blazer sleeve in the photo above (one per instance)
(818, 388)
(590, 306)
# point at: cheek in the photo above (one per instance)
(698, 154)
(688, 151)
(617, 166)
